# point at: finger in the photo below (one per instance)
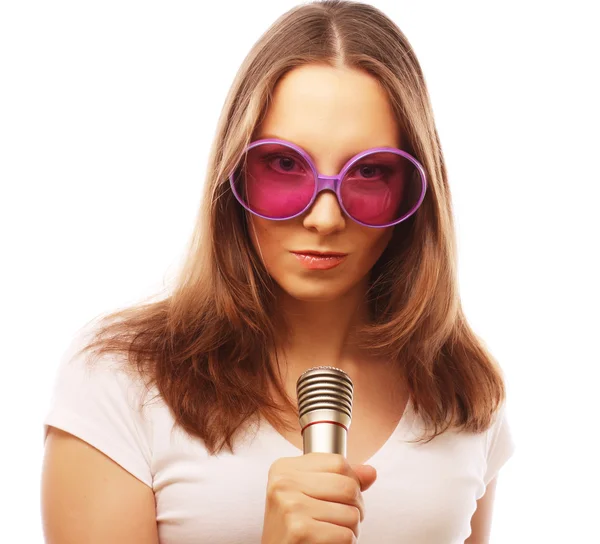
(321, 532)
(328, 462)
(334, 488)
(343, 515)
(367, 475)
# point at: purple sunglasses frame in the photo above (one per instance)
(333, 183)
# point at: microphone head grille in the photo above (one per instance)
(324, 388)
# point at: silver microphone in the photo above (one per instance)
(325, 409)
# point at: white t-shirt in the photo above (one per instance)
(423, 493)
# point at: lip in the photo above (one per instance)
(319, 261)
(319, 253)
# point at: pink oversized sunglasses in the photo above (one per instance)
(278, 180)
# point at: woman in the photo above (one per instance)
(183, 428)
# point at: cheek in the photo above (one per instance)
(267, 238)
(376, 240)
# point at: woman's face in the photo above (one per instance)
(333, 114)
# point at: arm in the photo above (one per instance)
(481, 522)
(87, 497)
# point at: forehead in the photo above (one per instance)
(330, 112)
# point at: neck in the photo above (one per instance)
(322, 332)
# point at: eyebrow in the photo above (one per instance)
(345, 159)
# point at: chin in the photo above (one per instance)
(313, 297)
(312, 291)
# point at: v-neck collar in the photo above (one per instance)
(400, 431)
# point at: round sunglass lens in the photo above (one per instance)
(274, 181)
(381, 188)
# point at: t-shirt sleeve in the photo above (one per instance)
(500, 444)
(101, 404)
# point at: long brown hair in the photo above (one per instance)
(207, 345)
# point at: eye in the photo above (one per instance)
(283, 163)
(370, 171)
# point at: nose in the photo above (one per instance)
(325, 215)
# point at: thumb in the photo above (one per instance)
(366, 474)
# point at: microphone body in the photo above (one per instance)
(325, 409)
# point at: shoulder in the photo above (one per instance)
(499, 442)
(102, 401)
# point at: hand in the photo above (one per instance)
(315, 498)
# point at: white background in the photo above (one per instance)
(107, 111)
